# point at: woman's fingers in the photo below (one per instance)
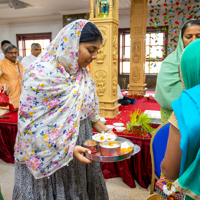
(79, 154)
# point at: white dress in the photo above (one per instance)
(26, 61)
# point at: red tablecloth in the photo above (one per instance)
(138, 167)
(8, 132)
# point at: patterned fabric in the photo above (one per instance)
(56, 95)
(173, 120)
(74, 182)
(163, 182)
(13, 77)
(165, 114)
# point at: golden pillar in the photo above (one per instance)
(104, 70)
(138, 46)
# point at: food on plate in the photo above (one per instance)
(111, 145)
(102, 137)
(126, 150)
(110, 148)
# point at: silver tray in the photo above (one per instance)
(101, 158)
(136, 149)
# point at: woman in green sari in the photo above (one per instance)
(169, 87)
(182, 158)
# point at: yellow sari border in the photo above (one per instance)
(186, 191)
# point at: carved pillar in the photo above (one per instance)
(91, 9)
(138, 48)
(104, 69)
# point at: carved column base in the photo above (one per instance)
(109, 109)
(137, 89)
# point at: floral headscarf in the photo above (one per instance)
(56, 95)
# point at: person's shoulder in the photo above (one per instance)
(19, 64)
(1, 56)
(2, 61)
(24, 58)
(170, 56)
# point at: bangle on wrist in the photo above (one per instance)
(106, 131)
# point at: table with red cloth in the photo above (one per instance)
(138, 167)
(8, 132)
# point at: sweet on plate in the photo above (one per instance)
(102, 137)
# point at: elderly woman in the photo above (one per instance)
(58, 109)
(182, 158)
(169, 87)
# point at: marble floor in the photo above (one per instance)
(117, 189)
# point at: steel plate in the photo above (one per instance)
(101, 158)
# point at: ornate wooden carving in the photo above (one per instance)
(136, 74)
(104, 68)
(115, 45)
(138, 35)
(136, 51)
(101, 52)
(100, 80)
(114, 85)
(91, 9)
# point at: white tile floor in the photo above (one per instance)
(117, 189)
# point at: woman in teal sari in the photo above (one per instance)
(169, 87)
(182, 158)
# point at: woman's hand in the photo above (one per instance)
(79, 152)
(5, 89)
(111, 132)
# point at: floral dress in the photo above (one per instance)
(57, 105)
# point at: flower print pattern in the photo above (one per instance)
(56, 95)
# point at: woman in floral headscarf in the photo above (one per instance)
(58, 108)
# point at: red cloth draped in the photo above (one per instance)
(7, 141)
(138, 167)
(12, 118)
(8, 132)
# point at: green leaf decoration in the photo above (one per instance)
(138, 118)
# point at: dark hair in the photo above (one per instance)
(9, 47)
(190, 23)
(4, 42)
(90, 33)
